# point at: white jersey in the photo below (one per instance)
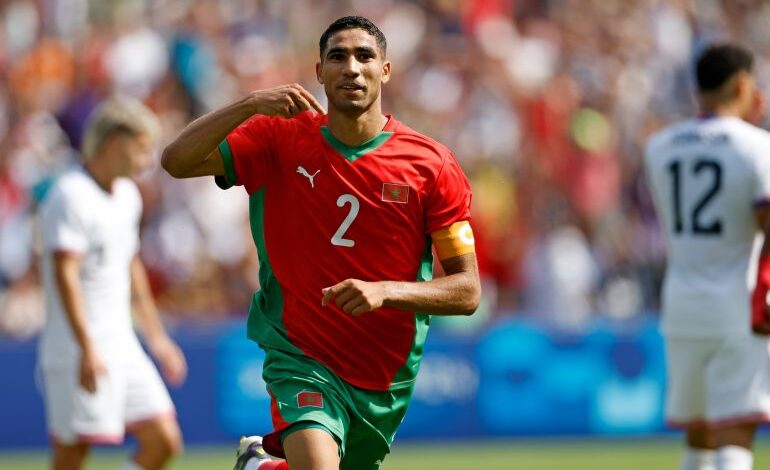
(79, 216)
(707, 176)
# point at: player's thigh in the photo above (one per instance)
(75, 415)
(303, 392)
(147, 399)
(375, 418)
(311, 448)
(686, 363)
(739, 382)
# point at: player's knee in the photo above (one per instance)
(67, 457)
(163, 438)
(172, 441)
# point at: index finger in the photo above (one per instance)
(300, 102)
(328, 293)
(312, 101)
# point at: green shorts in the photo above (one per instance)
(307, 394)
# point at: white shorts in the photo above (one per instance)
(129, 394)
(718, 382)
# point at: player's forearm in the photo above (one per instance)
(187, 155)
(150, 324)
(70, 294)
(454, 294)
(149, 321)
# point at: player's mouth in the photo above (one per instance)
(351, 88)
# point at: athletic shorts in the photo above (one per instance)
(306, 394)
(718, 382)
(129, 394)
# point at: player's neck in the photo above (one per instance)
(100, 173)
(355, 130)
(721, 110)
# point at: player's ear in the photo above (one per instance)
(318, 73)
(743, 84)
(386, 71)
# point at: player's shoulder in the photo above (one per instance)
(308, 119)
(750, 143)
(127, 188)
(421, 144)
(70, 191)
(670, 135)
(73, 184)
(748, 133)
(278, 124)
(303, 122)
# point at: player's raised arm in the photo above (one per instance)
(194, 151)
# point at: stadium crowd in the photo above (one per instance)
(546, 104)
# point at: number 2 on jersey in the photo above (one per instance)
(338, 239)
(701, 169)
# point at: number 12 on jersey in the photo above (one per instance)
(681, 176)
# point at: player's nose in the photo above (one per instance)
(351, 67)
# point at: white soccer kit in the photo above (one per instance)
(79, 216)
(707, 175)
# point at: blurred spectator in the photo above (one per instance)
(546, 105)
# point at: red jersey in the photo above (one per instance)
(322, 212)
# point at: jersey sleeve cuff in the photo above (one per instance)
(229, 179)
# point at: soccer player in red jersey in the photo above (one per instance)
(345, 208)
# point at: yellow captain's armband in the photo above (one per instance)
(455, 240)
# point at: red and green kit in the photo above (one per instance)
(322, 212)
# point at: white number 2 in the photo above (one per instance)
(337, 238)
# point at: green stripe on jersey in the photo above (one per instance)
(265, 323)
(408, 372)
(227, 161)
(354, 153)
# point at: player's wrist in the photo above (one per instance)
(87, 353)
(391, 294)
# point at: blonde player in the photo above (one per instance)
(99, 383)
(710, 177)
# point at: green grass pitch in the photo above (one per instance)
(586, 454)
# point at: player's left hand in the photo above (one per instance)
(171, 359)
(354, 296)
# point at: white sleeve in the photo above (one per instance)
(61, 225)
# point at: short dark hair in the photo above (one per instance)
(352, 22)
(719, 62)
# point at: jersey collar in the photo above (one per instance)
(353, 153)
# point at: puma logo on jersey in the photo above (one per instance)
(302, 171)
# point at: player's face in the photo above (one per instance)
(352, 71)
(132, 154)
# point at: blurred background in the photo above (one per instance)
(546, 104)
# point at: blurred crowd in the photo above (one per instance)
(546, 104)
